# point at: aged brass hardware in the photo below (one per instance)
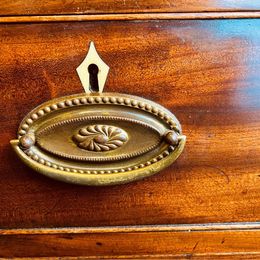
(97, 138)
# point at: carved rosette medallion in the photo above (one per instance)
(100, 138)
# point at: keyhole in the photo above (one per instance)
(93, 77)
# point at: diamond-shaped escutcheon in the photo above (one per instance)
(83, 70)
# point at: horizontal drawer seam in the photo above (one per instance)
(239, 226)
(130, 17)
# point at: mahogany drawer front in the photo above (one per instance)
(50, 7)
(134, 245)
(206, 72)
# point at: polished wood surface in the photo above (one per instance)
(129, 17)
(32, 7)
(134, 244)
(206, 72)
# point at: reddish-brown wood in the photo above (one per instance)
(128, 17)
(31, 7)
(206, 72)
(139, 245)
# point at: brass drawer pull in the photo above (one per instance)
(97, 138)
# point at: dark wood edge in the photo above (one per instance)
(227, 256)
(142, 228)
(129, 17)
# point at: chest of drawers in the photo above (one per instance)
(199, 59)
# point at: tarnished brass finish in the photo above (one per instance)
(99, 138)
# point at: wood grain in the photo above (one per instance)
(206, 72)
(138, 245)
(128, 17)
(31, 7)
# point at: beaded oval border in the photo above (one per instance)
(40, 160)
(93, 100)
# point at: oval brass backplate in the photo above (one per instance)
(99, 138)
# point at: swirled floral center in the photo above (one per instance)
(99, 138)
